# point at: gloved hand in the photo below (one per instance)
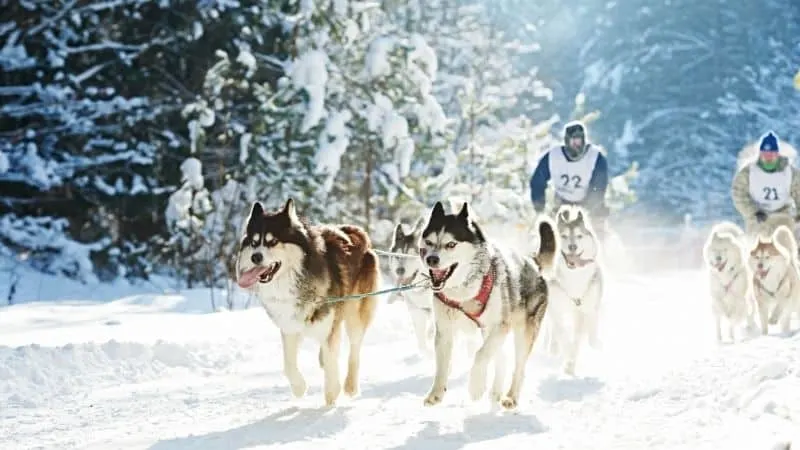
(761, 216)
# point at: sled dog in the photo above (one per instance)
(776, 278)
(407, 271)
(292, 267)
(729, 282)
(477, 283)
(576, 287)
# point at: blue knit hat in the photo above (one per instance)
(769, 143)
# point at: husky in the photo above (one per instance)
(726, 264)
(292, 267)
(775, 270)
(576, 286)
(408, 271)
(477, 283)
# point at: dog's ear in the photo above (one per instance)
(563, 215)
(291, 211)
(463, 214)
(398, 233)
(579, 217)
(438, 210)
(256, 210)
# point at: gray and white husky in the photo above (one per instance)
(477, 283)
(576, 287)
(407, 271)
(728, 279)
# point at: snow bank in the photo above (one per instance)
(33, 375)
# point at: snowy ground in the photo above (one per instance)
(162, 372)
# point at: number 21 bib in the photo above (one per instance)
(571, 178)
(770, 190)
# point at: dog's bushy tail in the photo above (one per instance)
(359, 237)
(726, 228)
(784, 237)
(368, 274)
(547, 244)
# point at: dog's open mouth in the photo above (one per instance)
(439, 277)
(261, 274)
(573, 260)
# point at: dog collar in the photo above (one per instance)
(482, 297)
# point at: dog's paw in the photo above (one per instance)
(298, 385)
(331, 395)
(508, 403)
(477, 383)
(351, 386)
(434, 397)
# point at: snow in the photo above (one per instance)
(5, 164)
(127, 367)
(192, 172)
(247, 59)
(333, 142)
(190, 200)
(377, 59)
(309, 72)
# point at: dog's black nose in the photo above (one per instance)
(760, 266)
(400, 271)
(257, 258)
(572, 247)
(432, 260)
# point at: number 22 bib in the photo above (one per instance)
(571, 178)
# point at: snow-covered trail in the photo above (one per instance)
(160, 372)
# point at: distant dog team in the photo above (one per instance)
(752, 277)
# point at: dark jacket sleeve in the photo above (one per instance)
(595, 198)
(538, 183)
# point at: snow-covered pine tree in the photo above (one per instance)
(318, 112)
(255, 127)
(381, 78)
(84, 120)
(480, 87)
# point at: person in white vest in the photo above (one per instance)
(765, 191)
(579, 174)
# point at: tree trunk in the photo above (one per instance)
(368, 189)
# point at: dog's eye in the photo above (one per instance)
(579, 236)
(271, 243)
(254, 242)
(450, 245)
(428, 243)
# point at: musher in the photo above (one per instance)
(766, 190)
(579, 172)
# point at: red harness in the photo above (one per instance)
(482, 297)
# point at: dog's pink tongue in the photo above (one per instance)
(438, 274)
(250, 277)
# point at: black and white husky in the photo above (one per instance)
(477, 283)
